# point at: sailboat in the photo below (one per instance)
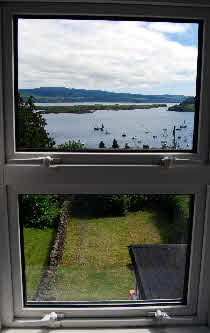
(184, 125)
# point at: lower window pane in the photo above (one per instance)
(105, 248)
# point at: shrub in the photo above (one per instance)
(120, 204)
(71, 146)
(40, 211)
(137, 202)
(100, 205)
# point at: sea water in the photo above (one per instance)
(153, 127)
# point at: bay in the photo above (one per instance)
(145, 126)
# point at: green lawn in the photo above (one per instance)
(37, 244)
(96, 262)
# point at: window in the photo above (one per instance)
(85, 174)
(109, 98)
(117, 249)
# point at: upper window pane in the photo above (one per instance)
(101, 84)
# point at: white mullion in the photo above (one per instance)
(6, 295)
(204, 288)
(14, 231)
(8, 83)
(2, 151)
(79, 188)
(106, 174)
(196, 247)
(204, 119)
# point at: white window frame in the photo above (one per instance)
(102, 173)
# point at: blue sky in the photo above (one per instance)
(119, 56)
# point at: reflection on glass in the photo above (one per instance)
(106, 84)
(105, 247)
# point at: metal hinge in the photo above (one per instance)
(49, 320)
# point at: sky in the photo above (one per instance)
(119, 56)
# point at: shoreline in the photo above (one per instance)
(81, 109)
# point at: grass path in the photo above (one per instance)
(96, 262)
(37, 245)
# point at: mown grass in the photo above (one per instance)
(37, 245)
(96, 265)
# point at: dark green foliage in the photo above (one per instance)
(101, 145)
(40, 211)
(30, 128)
(70, 146)
(100, 205)
(145, 146)
(120, 204)
(188, 105)
(178, 208)
(115, 144)
(137, 202)
(79, 109)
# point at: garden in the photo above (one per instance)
(95, 264)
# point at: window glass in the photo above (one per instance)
(90, 84)
(105, 248)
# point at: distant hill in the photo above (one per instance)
(188, 105)
(71, 95)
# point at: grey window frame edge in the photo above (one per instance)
(7, 309)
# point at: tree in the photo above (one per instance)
(102, 145)
(115, 144)
(70, 146)
(30, 128)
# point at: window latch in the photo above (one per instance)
(49, 320)
(160, 315)
(49, 162)
(167, 162)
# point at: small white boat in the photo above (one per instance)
(164, 144)
(184, 125)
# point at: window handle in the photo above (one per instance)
(172, 161)
(45, 161)
(49, 320)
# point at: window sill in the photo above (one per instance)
(178, 329)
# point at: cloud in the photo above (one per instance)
(106, 55)
(169, 27)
